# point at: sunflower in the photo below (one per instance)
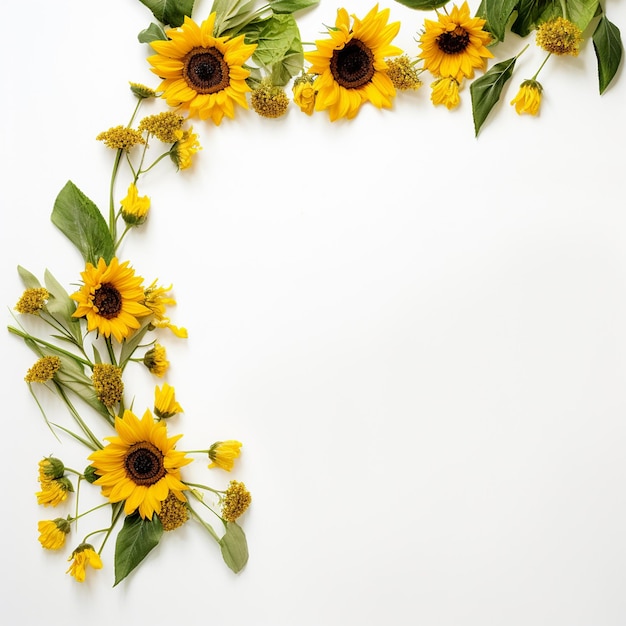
(111, 298)
(351, 64)
(454, 45)
(200, 72)
(140, 466)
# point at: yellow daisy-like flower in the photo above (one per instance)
(157, 300)
(455, 44)
(187, 144)
(304, 93)
(351, 65)
(156, 361)
(445, 91)
(165, 405)
(202, 73)
(140, 466)
(528, 98)
(135, 207)
(83, 556)
(52, 533)
(224, 453)
(53, 492)
(111, 299)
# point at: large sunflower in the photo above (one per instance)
(140, 466)
(454, 45)
(350, 65)
(111, 298)
(200, 72)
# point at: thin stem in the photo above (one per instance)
(564, 8)
(206, 525)
(116, 166)
(95, 508)
(117, 511)
(205, 487)
(541, 66)
(79, 420)
(41, 342)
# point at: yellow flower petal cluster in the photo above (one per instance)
(350, 65)
(236, 501)
(202, 73)
(187, 144)
(140, 466)
(43, 369)
(121, 138)
(403, 74)
(165, 405)
(53, 492)
(162, 125)
(269, 101)
(32, 301)
(445, 91)
(83, 556)
(528, 98)
(157, 300)
(224, 453)
(304, 93)
(134, 207)
(559, 36)
(107, 383)
(156, 361)
(52, 533)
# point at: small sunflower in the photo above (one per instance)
(201, 72)
(455, 44)
(111, 299)
(140, 466)
(351, 65)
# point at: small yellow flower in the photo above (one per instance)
(304, 93)
(269, 100)
(224, 453)
(403, 73)
(174, 513)
(53, 492)
(50, 468)
(107, 383)
(186, 146)
(32, 301)
(141, 91)
(445, 91)
(528, 98)
(52, 533)
(43, 370)
(121, 138)
(165, 405)
(83, 556)
(157, 300)
(163, 126)
(155, 360)
(236, 501)
(559, 36)
(135, 208)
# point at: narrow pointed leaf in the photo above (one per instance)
(30, 280)
(607, 43)
(134, 542)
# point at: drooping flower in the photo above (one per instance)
(403, 73)
(111, 299)
(165, 405)
(174, 513)
(236, 501)
(202, 73)
(455, 45)
(134, 207)
(43, 369)
(528, 98)
(156, 361)
(186, 146)
(224, 453)
(304, 93)
(141, 91)
(107, 383)
(163, 126)
(140, 466)
(32, 301)
(53, 492)
(268, 100)
(83, 556)
(121, 138)
(50, 468)
(559, 36)
(157, 300)
(351, 64)
(52, 533)
(445, 91)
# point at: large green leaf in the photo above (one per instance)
(82, 223)
(291, 6)
(607, 43)
(528, 14)
(234, 547)
(232, 15)
(423, 5)
(486, 90)
(497, 13)
(581, 12)
(136, 539)
(170, 12)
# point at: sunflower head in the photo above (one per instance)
(350, 64)
(140, 466)
(202, 73)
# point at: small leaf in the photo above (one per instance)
(497, 13)
(234, 547)
(62, 306)
(486, 90)
(30, 280)
(136, 539)
(80, 220)
(607, 43)
(170, 12)
(423, 5)
(154, 32)
(528, 14)
(291, 6)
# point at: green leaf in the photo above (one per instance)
(62, 306)
(486, 90)
(423, 5)
(607, 43)
(154, 32)
(497, 13)
(232, 15)
(528, 14)
(170, 12)
(581, 12)
(291, 6)
(274, 37)
(132, 343)
(136, 539)
(30, 280)
(234, 547)
(80, 220)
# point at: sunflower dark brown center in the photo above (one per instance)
(353, 66)
(144, 463)
(453, 41)
(206, 71)
(108, 300)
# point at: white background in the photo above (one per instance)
(419, 336)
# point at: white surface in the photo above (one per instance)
(419, 336)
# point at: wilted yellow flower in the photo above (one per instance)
(43, 370)
(83, 556)
(224, 453)
(135, 208)
(50, 468)
(32, 301)
(52, 533)
(163, 126)
(121, 138)
(528, 98)
(141, 91)
(403, 73)
(53, 492)
(165, 404)
(445, 91)
(186, 146)
(174, 513)
(559, 36)
(269, 100)
(107, 383)
(157, 299)
(304, 93)
(236, 501)
(155, 360)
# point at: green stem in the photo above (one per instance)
(564, 8)
(205, 524)
(205, 487)
(541, 66)
(41, 342)
(116, 166)
(79, 420)
(155, 162)
(95, 508)
(117, 511)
